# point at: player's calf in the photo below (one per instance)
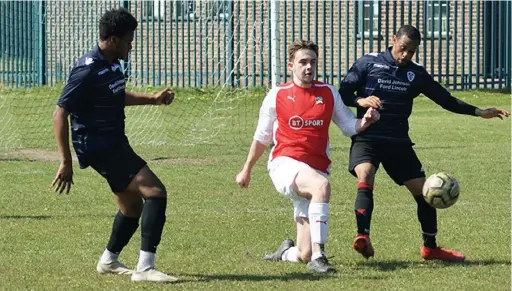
(123, 229)
(153, 220)
(319, 190)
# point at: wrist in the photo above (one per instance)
(478, 112)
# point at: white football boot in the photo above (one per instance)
(113, 268)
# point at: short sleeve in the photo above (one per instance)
(73, 92)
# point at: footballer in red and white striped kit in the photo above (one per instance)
(295, 117)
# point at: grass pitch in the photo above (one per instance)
(216, 234)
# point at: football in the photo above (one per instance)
(441, 190)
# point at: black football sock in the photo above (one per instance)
(122, 231)
(364, 207)
(427, 216)
(153, 220)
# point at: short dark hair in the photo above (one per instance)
(116, 22)
(299, 45)
(410, 31)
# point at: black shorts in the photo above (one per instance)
(118, 166)
(399, 160)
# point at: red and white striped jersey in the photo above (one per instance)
(297, 120)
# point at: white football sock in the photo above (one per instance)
(291, 255)
(318, 222)
(146, 261)
(108, 257)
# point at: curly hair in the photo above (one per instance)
(116, 22)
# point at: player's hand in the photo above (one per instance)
(243, 178)
(370, 101)
(164, 97)
(491, 113)
(64, 177)
(371, 116)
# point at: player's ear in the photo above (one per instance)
(114, 40)
(290, 66)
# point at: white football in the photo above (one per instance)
(441, 190)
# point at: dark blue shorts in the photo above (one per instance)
(399, 160)
(118, 165)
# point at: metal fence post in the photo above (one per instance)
(42, 43)
(231, 45)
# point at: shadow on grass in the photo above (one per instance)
(256, 278)
(397, 265)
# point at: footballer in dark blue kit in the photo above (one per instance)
(389, 81)
(94, 99)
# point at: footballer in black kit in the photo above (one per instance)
(94, 99)
(389, 81)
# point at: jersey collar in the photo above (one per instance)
(389, 58)
(98, 54)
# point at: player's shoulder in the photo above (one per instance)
(84, 64)
(417, 68)
(91, 59)
(86, 60)
(372, 57)
(325, 89)
(282, 88)
(320, 84)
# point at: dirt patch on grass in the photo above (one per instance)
(47, 155)
(30, 154)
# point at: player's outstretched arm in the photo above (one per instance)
(164, 97)
(434, 91)
(64, 177)
(244, 177)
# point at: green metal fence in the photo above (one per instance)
(466, 44)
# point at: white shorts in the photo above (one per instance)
(283, 171)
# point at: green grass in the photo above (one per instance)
(216, 233)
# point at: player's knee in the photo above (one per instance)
(304, 255)
(365, 173)
(130, 204)
(159, 191)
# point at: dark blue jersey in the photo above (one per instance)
(94, 96)
(377, 74)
